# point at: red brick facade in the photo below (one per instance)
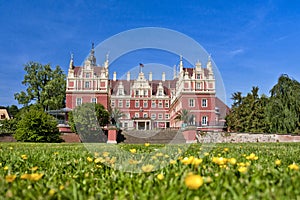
(146, 103)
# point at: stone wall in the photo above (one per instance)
(221, 137)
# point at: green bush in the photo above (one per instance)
(37, 126)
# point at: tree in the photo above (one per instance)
(36, 125)
(283, 112)
(88, 117)
(185, 116)
(115, 116)
(45, 86)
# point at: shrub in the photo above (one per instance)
(37, 126)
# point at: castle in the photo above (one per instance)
(146, 103)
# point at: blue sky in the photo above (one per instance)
(251, 42)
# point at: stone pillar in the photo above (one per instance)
(189, 136)
(145, 126)
(112, 136)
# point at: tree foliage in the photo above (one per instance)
(280, 113)
(115, 116)
(35, 125)
(88, 117)
(45, 86)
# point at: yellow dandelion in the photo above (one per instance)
(55, 153)
(206, 154)
(147, 168)
(196, 162)
(132, 150)
(160, 176)
(5, 168)
(11, 148)
(24, 157)
(105, 154)
(252, 156)
(99, 160)
(193, 181)
(10, 178)
(167, 156)
(208, 179)
(294, 166)
(133, 162)
(159, 154)
(243, 169)
(96, 154)
(34, 168)
(89, 159)
(176, 174)
(172, 162)
(147, 144)
(226, 149)
(61, 187)
(232, 161)
(187, 160)
(51, 192)
(32, 177)
(277, 162)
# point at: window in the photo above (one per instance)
(192, 102)
(204, 120)
(145, 115)
(153, 105)
(160, 93)
(204, 102)
(127, 103)
(87, 75)
(153, 116)
(78, 101)
(167, 116)
(136, 93)
(198, 86)
(94, 100)
(120, 91)
(136, 115)
(160, 104)
(160, 116)
(145, 104)
(198, 76)
(167, 104)
(112, 103)
(87, 84)
(120, 104)
(146, 93)
(137, 104)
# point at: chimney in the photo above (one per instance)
(163, 76)
(128, 76)
(150, 76)
(115, 76)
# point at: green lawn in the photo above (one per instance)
(223, 171)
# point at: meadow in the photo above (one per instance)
(148, 171)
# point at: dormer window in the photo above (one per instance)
(198, 76)
(160, 93)
(87, 75)
(120, 91)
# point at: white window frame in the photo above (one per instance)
(120, 103)
(160, 104)
(145, 115)
(166, 104)
(167, 116)
(145, 104)
(160, 116)
(153, 116)
(78, 101)
(204, 120)
(192, 103)
(87, 84)
(127, 103)
(136, 115)
(153, 104)
(204, 104)
(137, 103)
(113, 103)
(94, 100)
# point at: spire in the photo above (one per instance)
(209, 64)
(106, 60)
(71, 65)
(180, 64)
(92, 57)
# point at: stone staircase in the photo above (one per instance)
(153, 137)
